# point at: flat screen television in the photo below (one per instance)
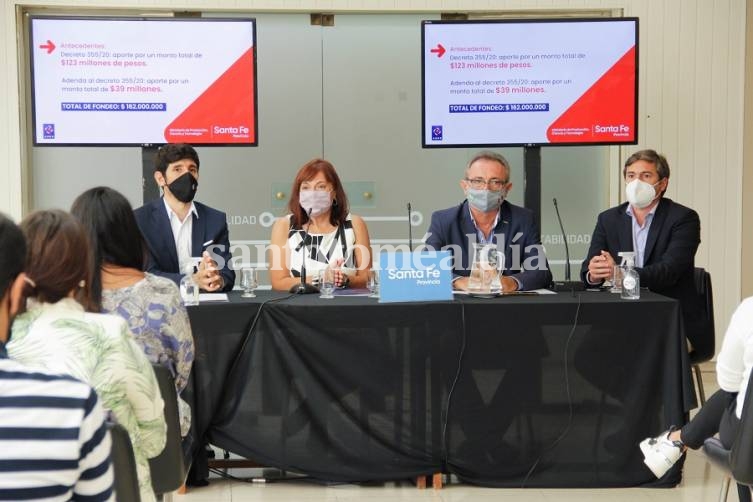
(529, 82)
(143, 81)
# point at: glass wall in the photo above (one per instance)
(350, 93)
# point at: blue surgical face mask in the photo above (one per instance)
(484, 200)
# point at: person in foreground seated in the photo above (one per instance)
(57, 334)
(54, 443)
(486, 217)
(180, 232)
(722, 411)
(663, 234)
(151, 305)
(319, 232)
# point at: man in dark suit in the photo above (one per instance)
(486, 217)
(664, 235)
(181, 234)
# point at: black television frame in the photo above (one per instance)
(424, 23)
(30, 34)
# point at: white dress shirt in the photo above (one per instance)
(182, 231)
(735, 360)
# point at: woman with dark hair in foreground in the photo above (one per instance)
(151, 305)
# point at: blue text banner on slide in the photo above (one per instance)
(137, 81)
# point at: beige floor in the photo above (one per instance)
(701, 482)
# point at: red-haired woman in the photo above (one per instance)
(318, 232)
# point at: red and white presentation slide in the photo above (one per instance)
(136, 81)
(529, 82)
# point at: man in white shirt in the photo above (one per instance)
(182, 234)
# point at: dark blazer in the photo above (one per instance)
(454, 228)
(211, 225)
(669, 257)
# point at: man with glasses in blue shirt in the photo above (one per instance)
(486, 217)
(498, 382)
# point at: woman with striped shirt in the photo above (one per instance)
(54, 445)
(58, 333)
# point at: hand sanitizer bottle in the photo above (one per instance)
(189, 290)
(631, 281)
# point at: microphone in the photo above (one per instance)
(567, 284)
(410, 230)
(303, 287)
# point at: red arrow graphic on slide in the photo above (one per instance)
(49, 46)
(438, 49)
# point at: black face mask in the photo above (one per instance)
(184, 187)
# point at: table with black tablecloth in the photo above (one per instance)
(540, 391)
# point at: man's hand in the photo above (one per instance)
(508, 284)
(208, 276)
(460, 284)
(600, 268)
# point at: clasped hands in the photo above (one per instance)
(208, 275)
(341, 278)
(600, 268)
(508, 284)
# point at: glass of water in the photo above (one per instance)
(616, 286)
(327, 283)
(189, 291)
(373, 284)
(249, 282)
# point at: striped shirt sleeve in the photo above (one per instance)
(53, 442)
(96, 479)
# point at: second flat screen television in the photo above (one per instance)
(529, 82)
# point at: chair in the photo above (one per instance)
(126, 483)
(168, 468)
(702, 281)
(736, 462)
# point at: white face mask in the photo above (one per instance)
(640, 194)
(315, 202)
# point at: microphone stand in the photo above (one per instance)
(410, 230)
(567, 284)
(303, 287)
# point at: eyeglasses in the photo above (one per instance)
(494, 183)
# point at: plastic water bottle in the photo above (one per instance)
(189, 290)
(631, 281)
